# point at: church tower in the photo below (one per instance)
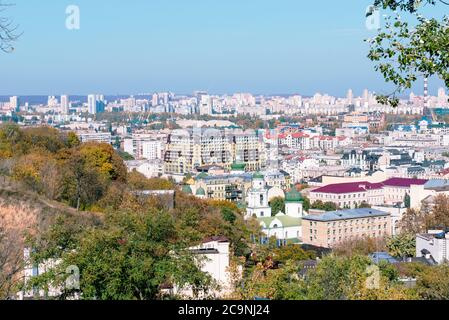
(258, 198)
(294, 204)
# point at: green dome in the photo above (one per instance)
(200, 192)
(293, 196)
(238, 166)
(186, 189)
(202, 175)
(258, 175)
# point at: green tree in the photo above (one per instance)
(433, 283)
(402, 246)
(407, 200)
(406, 49)
(129, 257)
(277, 205)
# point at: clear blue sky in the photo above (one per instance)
(223, 46)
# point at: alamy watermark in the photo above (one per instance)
(73, 18)
(373, 18)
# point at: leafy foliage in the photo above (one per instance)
(403, 52)
(402, 246)
(277, 205)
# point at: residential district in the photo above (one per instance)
(343, 168)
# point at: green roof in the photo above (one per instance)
(285, 220)
(238, 166)
(293, 196)
(187, 189)
(202, 175)
(258, 175)
(200, 192)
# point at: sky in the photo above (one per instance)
(221, 46)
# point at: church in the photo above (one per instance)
(283, 226)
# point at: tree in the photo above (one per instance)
(138, 181)
(327, 206)
(274, 284)
(407, 201)
(439, 216)
(129, 257)
(413, 222)
(364, 204)
(306, 204)
(8, 31)
(343, 278)
(403, 52)
(10, 262)
(402, 245)
(359, 246)
(433, 283)
(277, 205)
(292, 252)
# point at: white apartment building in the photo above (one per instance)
(434, 244)
(92, 136)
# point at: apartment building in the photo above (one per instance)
(331, 228)
(186, 150)
(352, 194)
(92, 136)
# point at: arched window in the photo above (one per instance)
(261, 199)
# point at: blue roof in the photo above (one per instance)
(346, 214)
(436, 183)
(377, 257)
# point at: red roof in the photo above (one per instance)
(350, 187)
(403, 182)
(293, 135)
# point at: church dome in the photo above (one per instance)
(293, 196)
(187, 189)
(200, 192)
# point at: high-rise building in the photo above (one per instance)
(365, 96)
(442, 98)
(155, 100)
(206, 105)
(14, 103)
(95, 103)
(349, 97)
(65, 106)
(52, 101)
(92, 104)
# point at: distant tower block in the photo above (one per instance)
(426, 93)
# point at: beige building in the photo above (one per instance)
(328, 229)
(186, 150)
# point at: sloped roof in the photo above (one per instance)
(286, 221)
